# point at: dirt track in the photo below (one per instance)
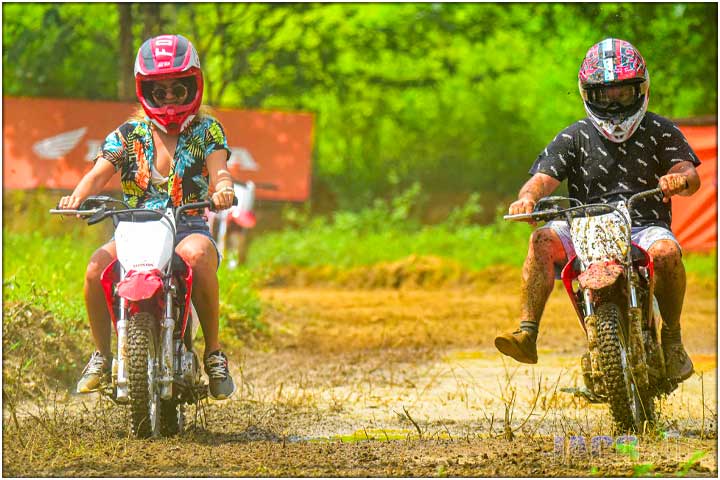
(389, 383)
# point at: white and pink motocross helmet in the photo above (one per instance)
(615, 87)
(168, 57)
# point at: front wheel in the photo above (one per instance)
(629, 406)
(145, 408)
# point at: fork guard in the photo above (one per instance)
(600, 275)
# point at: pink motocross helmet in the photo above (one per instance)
(615, 87)
(168, 57)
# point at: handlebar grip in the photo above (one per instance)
(522, 217)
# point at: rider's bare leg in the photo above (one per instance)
(538, 275)
(538, 279)
(97, 310)
(199, 252)
(670, 292)
(669, 284)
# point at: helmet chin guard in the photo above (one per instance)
(169, 57)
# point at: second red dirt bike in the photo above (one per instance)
(610, 283)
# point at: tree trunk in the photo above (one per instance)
(126, 85)
(151, 20)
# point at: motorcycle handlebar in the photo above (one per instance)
(101, 213)
(592, 209)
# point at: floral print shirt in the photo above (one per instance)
(131, 149)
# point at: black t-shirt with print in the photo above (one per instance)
(601, 171)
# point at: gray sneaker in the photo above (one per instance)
(96, 373)
(221, 383)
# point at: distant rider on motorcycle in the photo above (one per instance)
(169, 154)
(619, 149)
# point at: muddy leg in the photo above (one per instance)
(669, 286)
(538, 276)
(670, 292)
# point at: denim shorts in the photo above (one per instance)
(189, 224)
(643, 236)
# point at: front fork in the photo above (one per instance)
(166, 346)
(165, 378)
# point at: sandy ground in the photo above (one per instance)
(391, 383)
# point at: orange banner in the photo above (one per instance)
(51, 143)
(694, 219)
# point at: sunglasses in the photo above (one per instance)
(161, 93)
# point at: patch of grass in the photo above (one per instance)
(387, 232)
(703, 265)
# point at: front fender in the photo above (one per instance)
(140, 285)
(600, 275)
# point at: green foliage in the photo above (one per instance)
(686, 466)
(388, 231)
(704, 265)
(458, 97)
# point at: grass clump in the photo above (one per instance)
(387, 232)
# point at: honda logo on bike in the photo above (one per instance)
(58, 145)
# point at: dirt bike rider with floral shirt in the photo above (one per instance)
(169, 156)
(620, 149)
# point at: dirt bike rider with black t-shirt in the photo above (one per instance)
(620, 149)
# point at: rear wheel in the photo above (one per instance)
(629, 406)
(145, 409)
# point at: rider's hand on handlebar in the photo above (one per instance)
(522, 205)
(223, 198)
(672, 184)
(69, 202)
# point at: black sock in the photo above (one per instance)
(531, 328)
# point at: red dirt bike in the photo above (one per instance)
(148, 289)
(240, 219)
(610, 283)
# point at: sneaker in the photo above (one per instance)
(96, 374)
(519, 345)
(677, 362)
(221, 383)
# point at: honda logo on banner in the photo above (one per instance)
(59, 145)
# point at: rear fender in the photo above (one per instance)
(600, 275)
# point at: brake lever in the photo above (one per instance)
(98, 216)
